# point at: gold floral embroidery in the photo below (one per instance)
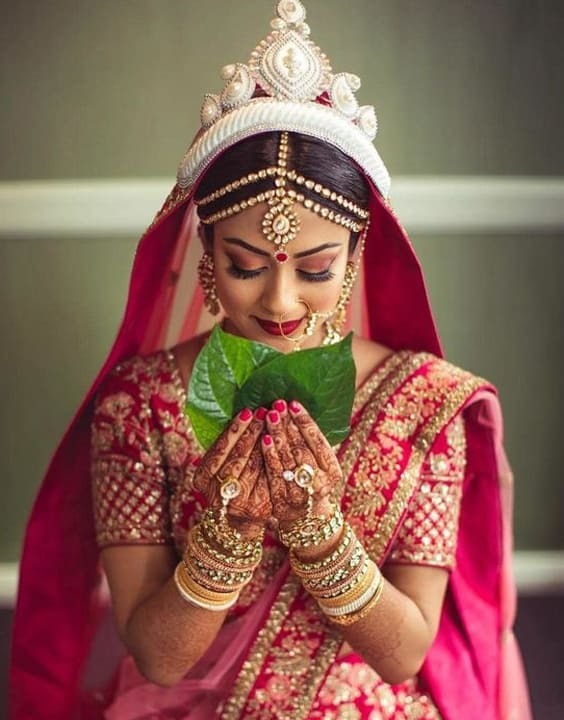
(136, 451)
(355, 690)
(428, 532)
(432, 415)
(295, 647)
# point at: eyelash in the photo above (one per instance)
(241, 274)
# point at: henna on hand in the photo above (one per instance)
(236, 455)
(285, 448)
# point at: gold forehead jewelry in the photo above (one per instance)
(280, 223)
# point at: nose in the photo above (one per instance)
(280, 296)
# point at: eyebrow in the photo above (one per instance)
(264, 253)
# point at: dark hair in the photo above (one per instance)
(308, 156)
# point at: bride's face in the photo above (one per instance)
(257, 292)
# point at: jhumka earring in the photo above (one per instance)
(333, 326)
(206, 276)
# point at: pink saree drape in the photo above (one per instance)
(61, 599)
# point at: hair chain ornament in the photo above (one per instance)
(280, 223)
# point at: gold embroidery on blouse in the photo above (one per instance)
(455, 399)
(428, 534)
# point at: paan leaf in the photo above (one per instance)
(232, 372)
(322, 379)
(224, 364)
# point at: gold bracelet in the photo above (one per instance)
(320, 568)
(308, 532)
(189, 583)
(202, 550)
(216, 581)
(229, 538)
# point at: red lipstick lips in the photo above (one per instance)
(274, 328)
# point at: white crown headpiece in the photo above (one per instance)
(277, 90)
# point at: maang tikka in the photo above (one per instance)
(280, 223)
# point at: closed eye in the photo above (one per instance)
(241, 274)
(322, 276)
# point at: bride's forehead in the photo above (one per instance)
(313, 229)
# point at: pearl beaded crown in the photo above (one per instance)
(279, 89)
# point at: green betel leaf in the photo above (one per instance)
(231, 373)
(322, 379)
(224, 365)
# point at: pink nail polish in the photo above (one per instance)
(245, 414)
(260, 413)
(267, 440)
(295, 407)
(273, 417)
(279, 405)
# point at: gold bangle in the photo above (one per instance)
(353, 618)
(188, 583)
(309, 532)
(321, 567)
(352, 593)
(205, 552)
(206, 547)
(230, 539)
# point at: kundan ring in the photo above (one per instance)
(230, 488)
(304, 475)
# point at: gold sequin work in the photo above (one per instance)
(403, 466)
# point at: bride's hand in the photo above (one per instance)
(236, 456)
(293, 439)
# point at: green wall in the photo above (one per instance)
(112, 89)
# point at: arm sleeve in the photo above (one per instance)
(130, 497)
(429, 531)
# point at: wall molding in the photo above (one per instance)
(425, 204)
(536, 573)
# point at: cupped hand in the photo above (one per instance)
(236, 456)
(293, 439)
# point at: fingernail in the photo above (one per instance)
(295, 407)
(279, 405)
(245, 414)
(260, 413)
(274, 417)
(267, 440)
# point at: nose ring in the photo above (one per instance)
(296, 340)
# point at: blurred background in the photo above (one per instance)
(98, 103)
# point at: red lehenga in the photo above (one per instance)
(406, 471)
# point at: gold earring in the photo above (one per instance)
(334, 323)
(206, 276)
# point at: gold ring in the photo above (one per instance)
(304, 475)
(230, 488)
